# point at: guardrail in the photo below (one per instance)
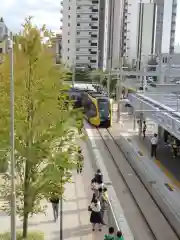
(114, 216)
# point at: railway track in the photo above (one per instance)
(158, 224)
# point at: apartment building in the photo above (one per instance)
(141, 27)
(3, 40)
(83, 33)
(56, 47)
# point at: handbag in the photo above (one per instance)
(89, 208)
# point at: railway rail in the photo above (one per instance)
(158, 224)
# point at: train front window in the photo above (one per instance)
(104, 108)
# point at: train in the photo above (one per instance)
(97, 107)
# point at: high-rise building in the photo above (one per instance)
(83, 33)
(135, 28)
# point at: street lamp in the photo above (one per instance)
(9, 38)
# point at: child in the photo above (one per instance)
(110, 236)
(119, 236)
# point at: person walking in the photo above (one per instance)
(104, 202)
(95, 217)
(174, 148)
(110, 235)
(144, 129)
(154, 142)
(94, 186)
(55, 206)
(80, 162)
(99, 176)
(119, 236)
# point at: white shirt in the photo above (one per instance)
(154, 140)
(96, 208)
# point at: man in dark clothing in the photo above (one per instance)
(55, 205)
(144, 129)
(99, 176)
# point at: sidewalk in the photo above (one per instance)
(76, 225)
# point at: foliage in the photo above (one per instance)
(31, 236)
(46, 129)
(3, 164)
(82, 75)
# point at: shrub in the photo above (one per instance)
(31, 236)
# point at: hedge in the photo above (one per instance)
(31, 236)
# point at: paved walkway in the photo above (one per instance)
(76, 225)
(169, 165)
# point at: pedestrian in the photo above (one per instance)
(174, 148)
(80, 162)
(99, 176)
(154, 142)
(110, 235)
(104, 202)
(95, 217)
(94, 186)
(119, 236)
(55, 206)
(100, 184)
(144, 129)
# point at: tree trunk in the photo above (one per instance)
(25, 225)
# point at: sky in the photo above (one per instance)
(44, 12)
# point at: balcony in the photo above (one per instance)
(94, 19)
(94, 36)
(94, 10)
(94, 27)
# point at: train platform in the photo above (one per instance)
(165, 161)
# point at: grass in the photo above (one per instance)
(31, 236)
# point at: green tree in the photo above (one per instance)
(46, 129)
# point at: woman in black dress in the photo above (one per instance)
(95, 217)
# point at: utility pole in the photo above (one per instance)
(13, 188)
(61, 208)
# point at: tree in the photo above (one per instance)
(46, 128)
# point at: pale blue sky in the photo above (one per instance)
(44, 11)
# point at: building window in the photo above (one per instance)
(78, 16)
(78, 33)
(1, 50)
(78, 7)
(77, 49)
(78, 24)
(68, 57)
(78, 41)
(69, 16)
(68, 24)
(69, 8)
(68, 49)
(77, 58)
(68, 41)
(68, 33)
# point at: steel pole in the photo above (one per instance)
(13, 188)
(61, 214)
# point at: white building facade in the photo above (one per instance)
(141, 27)
(80, 33)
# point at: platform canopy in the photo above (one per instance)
(164, 109)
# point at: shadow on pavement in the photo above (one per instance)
(81, 231)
